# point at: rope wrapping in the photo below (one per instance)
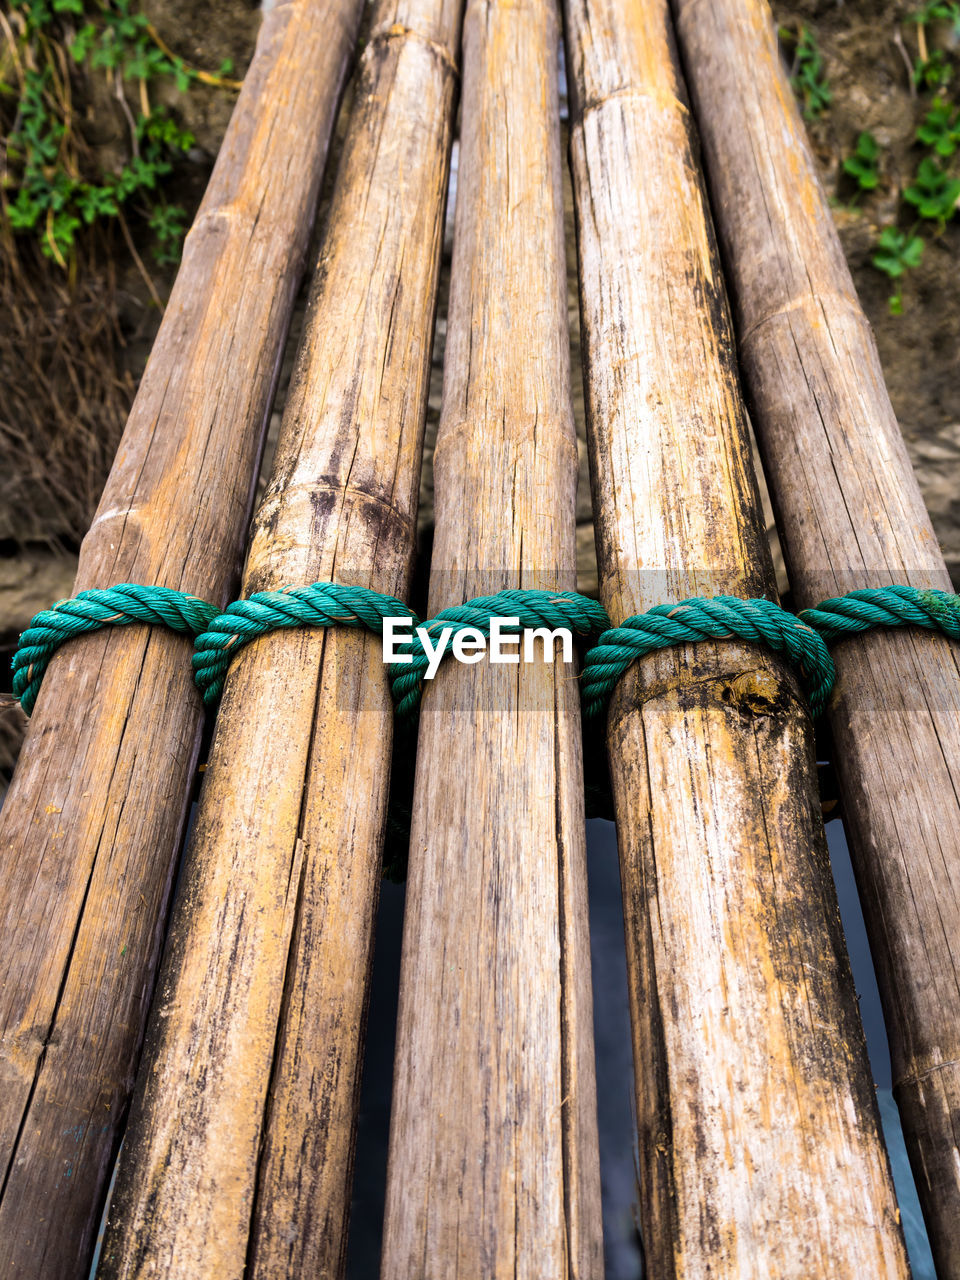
(719, 618)
(586, 618)
(895, 606)
(322, 604)
(91, 611)
(219, 635)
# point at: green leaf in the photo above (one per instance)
(82, 43)
(24, 213)
(941, 128)
(896, 252)
(933, 72)
(913, 251)
(810, 82)
(863, 164)
(933, 192)
(97, 202)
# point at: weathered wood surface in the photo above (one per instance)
(759, 1145)
(493, 1166)
(91, 825)
(239, 1153)
(850, 515)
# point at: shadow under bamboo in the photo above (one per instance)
(850, 515)
(759, 1145)
(92, 822)
(238, 1157)
(493, 1164)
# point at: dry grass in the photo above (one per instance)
(63, 397)
(13, 725)
(63, 403)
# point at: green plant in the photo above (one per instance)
(939, 11)
(52, 185)
(941, 128)
(808, 76)
(864, 163)
(168, 224)
(896, 251)
(933, 192)
(933, 72)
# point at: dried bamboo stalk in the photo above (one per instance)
(239, 1154)
(92, 822)
(850, 515)
(760, 1152)
(493, 1166)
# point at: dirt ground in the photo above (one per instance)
(70, 356)
(865, 45)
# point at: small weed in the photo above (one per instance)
(939, 11)
(941, 128)
(808, 76)
(933, 72)
(896, 251)
(52, 186)
(168, 224)
(933, 192)
(864, 164)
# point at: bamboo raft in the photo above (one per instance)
(218, 1031)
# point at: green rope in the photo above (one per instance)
(90, 611)
(552, 609)
(720, 618)
(322, 604)
(895, 606)
(218, 636)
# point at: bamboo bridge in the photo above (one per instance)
(216, 1026)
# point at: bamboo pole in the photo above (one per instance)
(92, 822)
(493, 1164)
(239, 1154)
(850, 515)
(760, 1152)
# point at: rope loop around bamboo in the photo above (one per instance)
(321, 604)
(586, 618)
(719, 618)
(91, 611)
(218, 636)
(894, 606)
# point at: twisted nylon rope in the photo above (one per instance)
(218, 636)
(322, 604)
(720, 618)
(581, 615)
(90, 611)
(895, 606)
